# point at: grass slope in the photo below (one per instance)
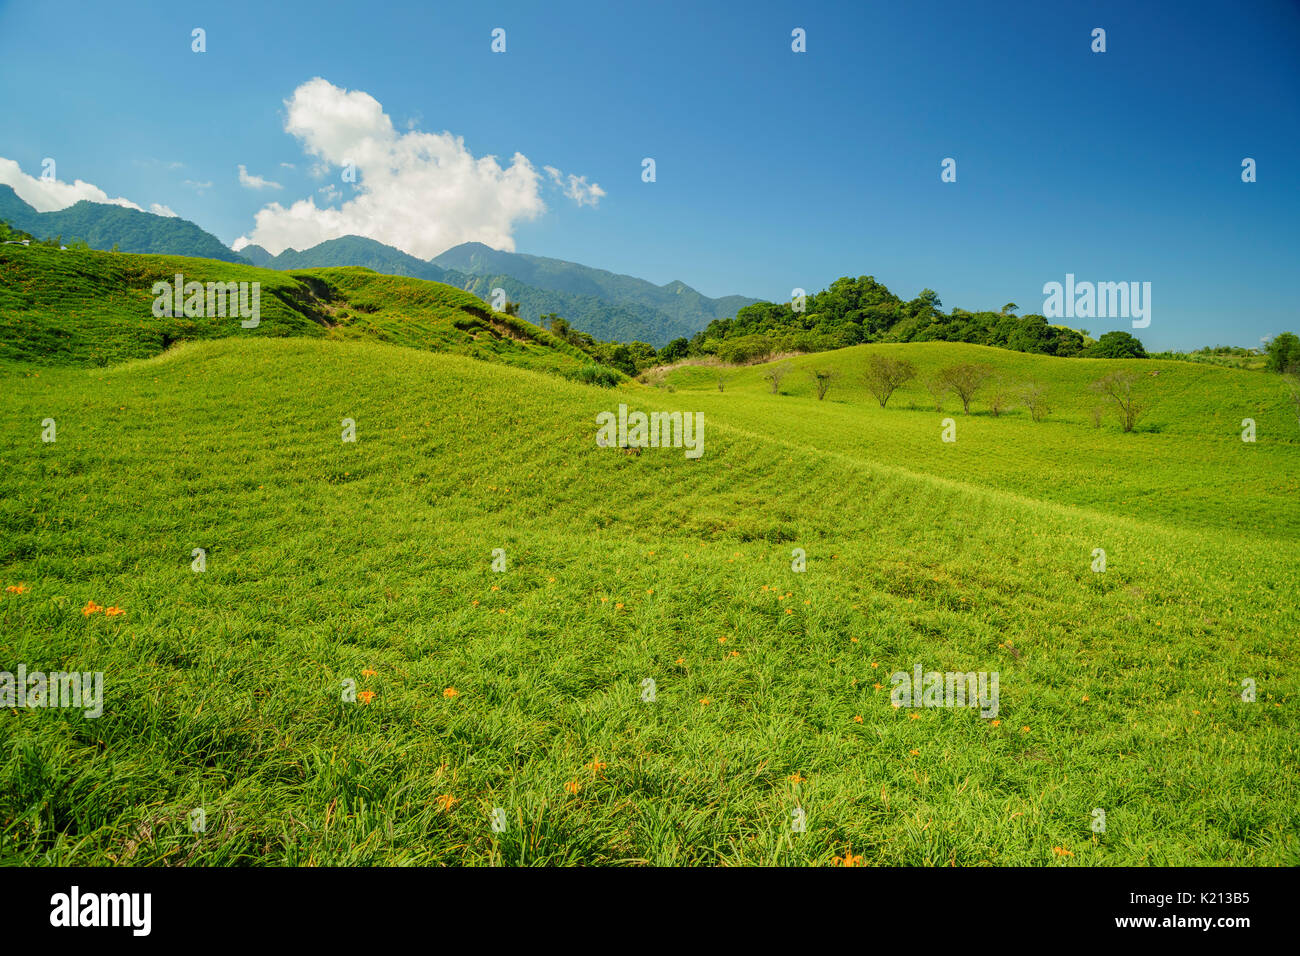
(372, 562)
(95, 308)
(1184, 465)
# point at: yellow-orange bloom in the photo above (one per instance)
(90, 608)
(366, 696)
(451, 692)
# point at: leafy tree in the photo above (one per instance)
(1283, 352)
(1117, 345)
(884, 375)
(675, 350)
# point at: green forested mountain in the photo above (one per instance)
(103, 226)
(686, 309)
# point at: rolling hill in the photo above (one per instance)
(646, 678)
(96, 308)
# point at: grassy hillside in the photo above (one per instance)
(372, 561)
(1185, 465)
(95, 308)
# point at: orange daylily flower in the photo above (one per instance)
(450, 692)
(572, 787)
(90, 608)
(366, 696)
(114, 611)
(446, 802)
(367, 672)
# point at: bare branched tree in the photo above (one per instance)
(1034, 396)
(1119, 388)
(884, 375)
(938, 390)
(775, 374)
(1000, 395)
(965, 381)
(1292, 378)
(822, 378)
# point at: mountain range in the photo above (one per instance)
(606, 305)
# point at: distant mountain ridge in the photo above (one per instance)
(684, 306)
(103, 225)
(603, 304)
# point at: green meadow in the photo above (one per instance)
(369, 564)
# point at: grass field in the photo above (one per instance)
(329, 561)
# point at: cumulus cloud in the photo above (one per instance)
(158, 209)
(421, 192)
(255, 182)
(49, 195)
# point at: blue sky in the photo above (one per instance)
(775, 170)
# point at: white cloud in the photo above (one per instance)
(288, 166)
(420, 192)
(255, 182)
(158, 209)
(576, 187)
(49, 195)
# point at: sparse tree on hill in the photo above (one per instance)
(1034, 396)
(938, 389)
(822, 379)
(722, 379)
(884, 375)
(1119, 388)
(775, 374)
(965, 380)
(999, 395)
(1292, 378)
